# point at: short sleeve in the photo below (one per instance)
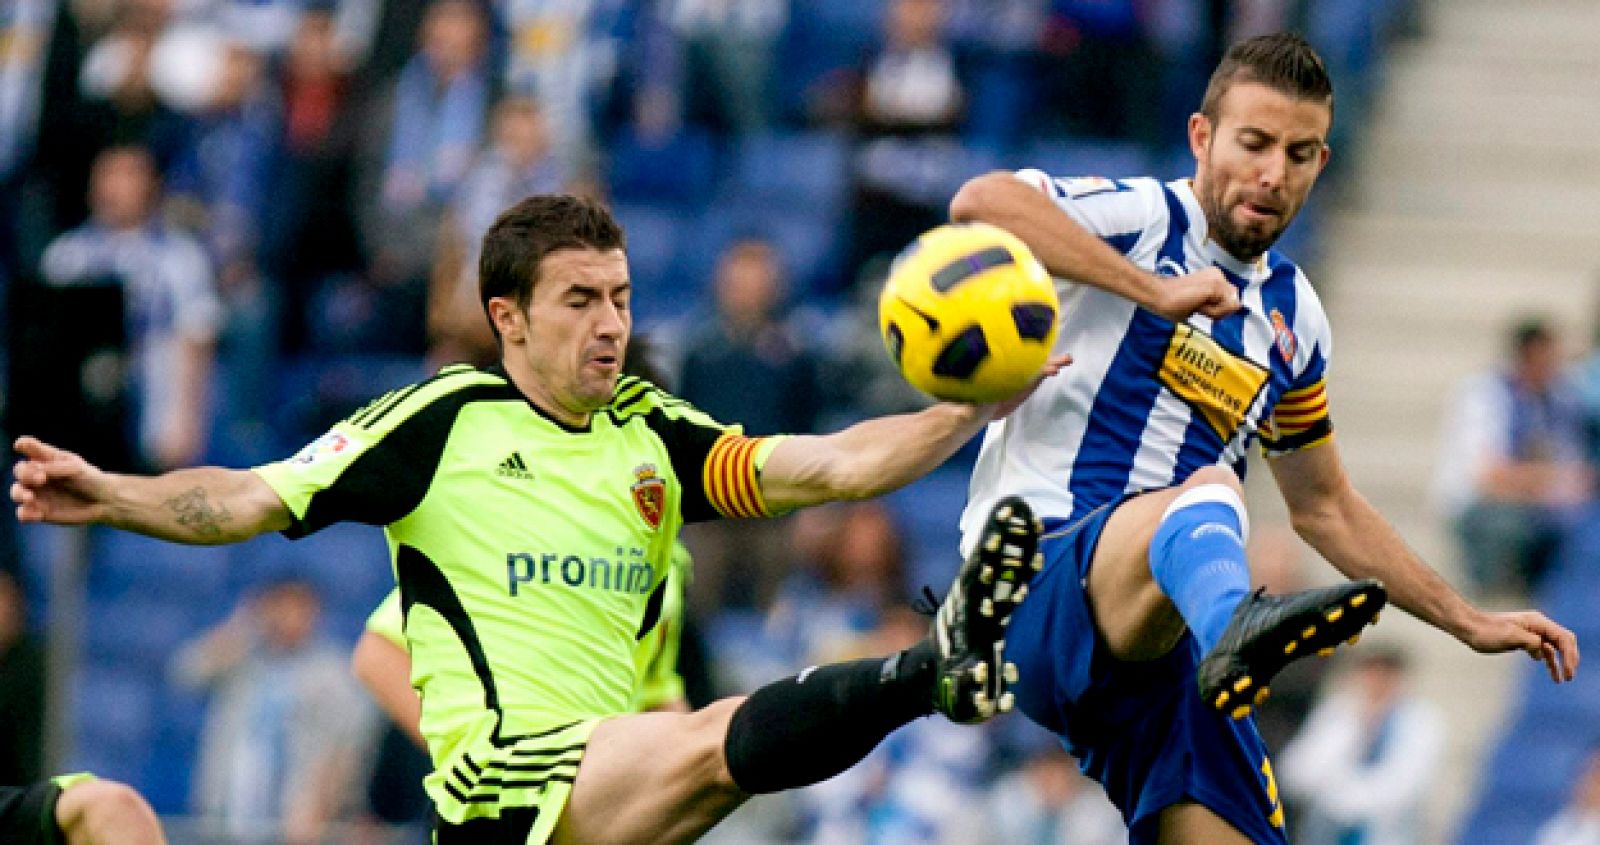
(718, 467)
(1118, 211)
(374, 467)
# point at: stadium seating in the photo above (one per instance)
(1554, 728)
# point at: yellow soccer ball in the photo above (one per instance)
(968, 314)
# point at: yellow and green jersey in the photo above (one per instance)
(655, 657)
(531, 556)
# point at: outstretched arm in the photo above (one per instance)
(869, 458)
(201, 506)
(1347, 530)
(1070, 251)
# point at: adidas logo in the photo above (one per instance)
(513, 467)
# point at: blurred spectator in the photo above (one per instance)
(1049, 802)
(746, 366)
(432, 124)
(172, 310)
(907, 106)
(440, 102)
(1100, 74)
(832, 608)
(1578, 823)
(22, 684)
(308, 229)
(1512, 471)
(279, 751)
(44, 152)
(268, 26)
(518, 164)
(221, 185)
(1584, 381)
(565, 53)
(122, 106)
(1366, 760)
(726, 50)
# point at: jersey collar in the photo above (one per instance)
(1253, 272)
(500, 370)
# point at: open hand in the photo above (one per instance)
(1056, 364)
(1532, 632)
(54, 485)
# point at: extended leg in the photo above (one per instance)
(661, 778)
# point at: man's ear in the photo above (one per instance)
(1199, 135)
(508, 319)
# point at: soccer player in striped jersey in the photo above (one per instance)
(1141, 644)
(531, 510)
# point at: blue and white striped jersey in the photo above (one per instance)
(1147, 402)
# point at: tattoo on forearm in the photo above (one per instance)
(195, 512)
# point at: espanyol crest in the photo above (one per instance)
(1283, 336)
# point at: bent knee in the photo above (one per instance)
(711, 726)
(1215, 474)
(100, 811)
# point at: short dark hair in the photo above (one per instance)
(1282, 61)
(1530, 332)
(526, 232)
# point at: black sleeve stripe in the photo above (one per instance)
(391, 478)
(355, 418)
(369, 415)
(382, 409)
(1288, 443)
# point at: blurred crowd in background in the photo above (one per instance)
(224, 224)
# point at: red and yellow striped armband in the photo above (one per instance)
(733, 475)
(1299, 421)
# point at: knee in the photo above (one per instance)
(1215, 474)
(104, 811)
(714, 727)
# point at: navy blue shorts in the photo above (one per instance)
(1140, 729)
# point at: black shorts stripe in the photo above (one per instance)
(520, 737)
(538, 752)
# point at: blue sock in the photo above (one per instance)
(1197, 557)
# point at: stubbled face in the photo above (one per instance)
(570, 341)
(1256, 164)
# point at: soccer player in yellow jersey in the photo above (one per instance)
(531, 510)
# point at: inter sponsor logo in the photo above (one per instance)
(1218, 384)
(628, 572)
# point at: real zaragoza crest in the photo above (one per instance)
(649, 494)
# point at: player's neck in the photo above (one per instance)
(541, 397)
